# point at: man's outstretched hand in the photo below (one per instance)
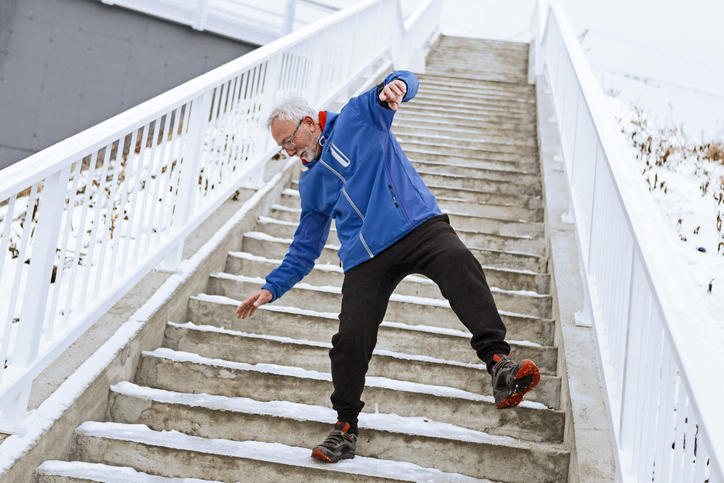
(256, 300)
(393, 93)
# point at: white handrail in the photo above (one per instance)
(88, 217)
(658, 364)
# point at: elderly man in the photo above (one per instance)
(389, 226)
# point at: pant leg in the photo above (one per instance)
(443, 257)
(365, 294)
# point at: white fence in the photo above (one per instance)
(664, 400)
(84, 220)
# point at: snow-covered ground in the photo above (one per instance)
(685, 178)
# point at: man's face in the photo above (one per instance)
(303, 143)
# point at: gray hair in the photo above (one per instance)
(291, 109)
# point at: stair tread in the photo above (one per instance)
(391, 423)
(271, 452)
(302, 373)
(106, 473)
(417, 279)
(335, 289)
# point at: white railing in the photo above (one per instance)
(246, 20)
(660, 373)
(84, 220)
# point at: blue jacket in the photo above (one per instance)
(364, 181)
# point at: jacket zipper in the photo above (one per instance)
(392, 193)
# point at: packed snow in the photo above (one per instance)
(685, 178)
(271, 452)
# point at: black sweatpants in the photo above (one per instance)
(432, 249)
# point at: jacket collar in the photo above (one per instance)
(326, 122)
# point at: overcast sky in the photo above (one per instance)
(666, 55)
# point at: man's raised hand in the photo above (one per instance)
(255, 300)
(393, 93)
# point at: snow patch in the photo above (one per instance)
(270, 452)
(415, 426)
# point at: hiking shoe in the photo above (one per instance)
(339, 445)
(511, 381)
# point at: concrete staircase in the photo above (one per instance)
(231, 400)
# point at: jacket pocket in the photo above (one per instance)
(338, 155)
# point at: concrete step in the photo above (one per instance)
(508, 141)
(473, 152)
(519, 301)
(532, 244)
(515, 71)
(485, 68)
(265, 245)
(54, 471)
(179, 455)
(451, 60)
(517, 179)
(469, 140)
(522, 90)
(461, 93)
(462, 222)
(475, 196)
(435, 313)
(261, 378)
(484, 75)
(290, 198)
(484, 45)
(442, 446)
(500, 280)
(502, 58)
(483, 160)
(488, 128)
(450, 344)
(491, 101)
(480, 179)
(460, 96)
(252, 345)
(441, 104)
(486, 115)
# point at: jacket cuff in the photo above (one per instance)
(273, 290)
(381, 86)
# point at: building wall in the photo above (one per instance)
(66, 65)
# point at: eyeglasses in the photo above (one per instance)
(289, 143)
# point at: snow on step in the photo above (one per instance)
(224, 300)
(270, 452)
(409, 425)
(106, 473)
(328, 267)
(334, 289)
(293, 371)
(327, 345)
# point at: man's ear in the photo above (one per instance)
(309, 120)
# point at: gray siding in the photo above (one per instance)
(66, 65)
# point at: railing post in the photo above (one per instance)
(201, 15)
(14, 412)
(288, 25)
(52, 204)
(188, 188)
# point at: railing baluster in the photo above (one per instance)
(125, 216)
(59, 277)
(90, 173)
(51, 202)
